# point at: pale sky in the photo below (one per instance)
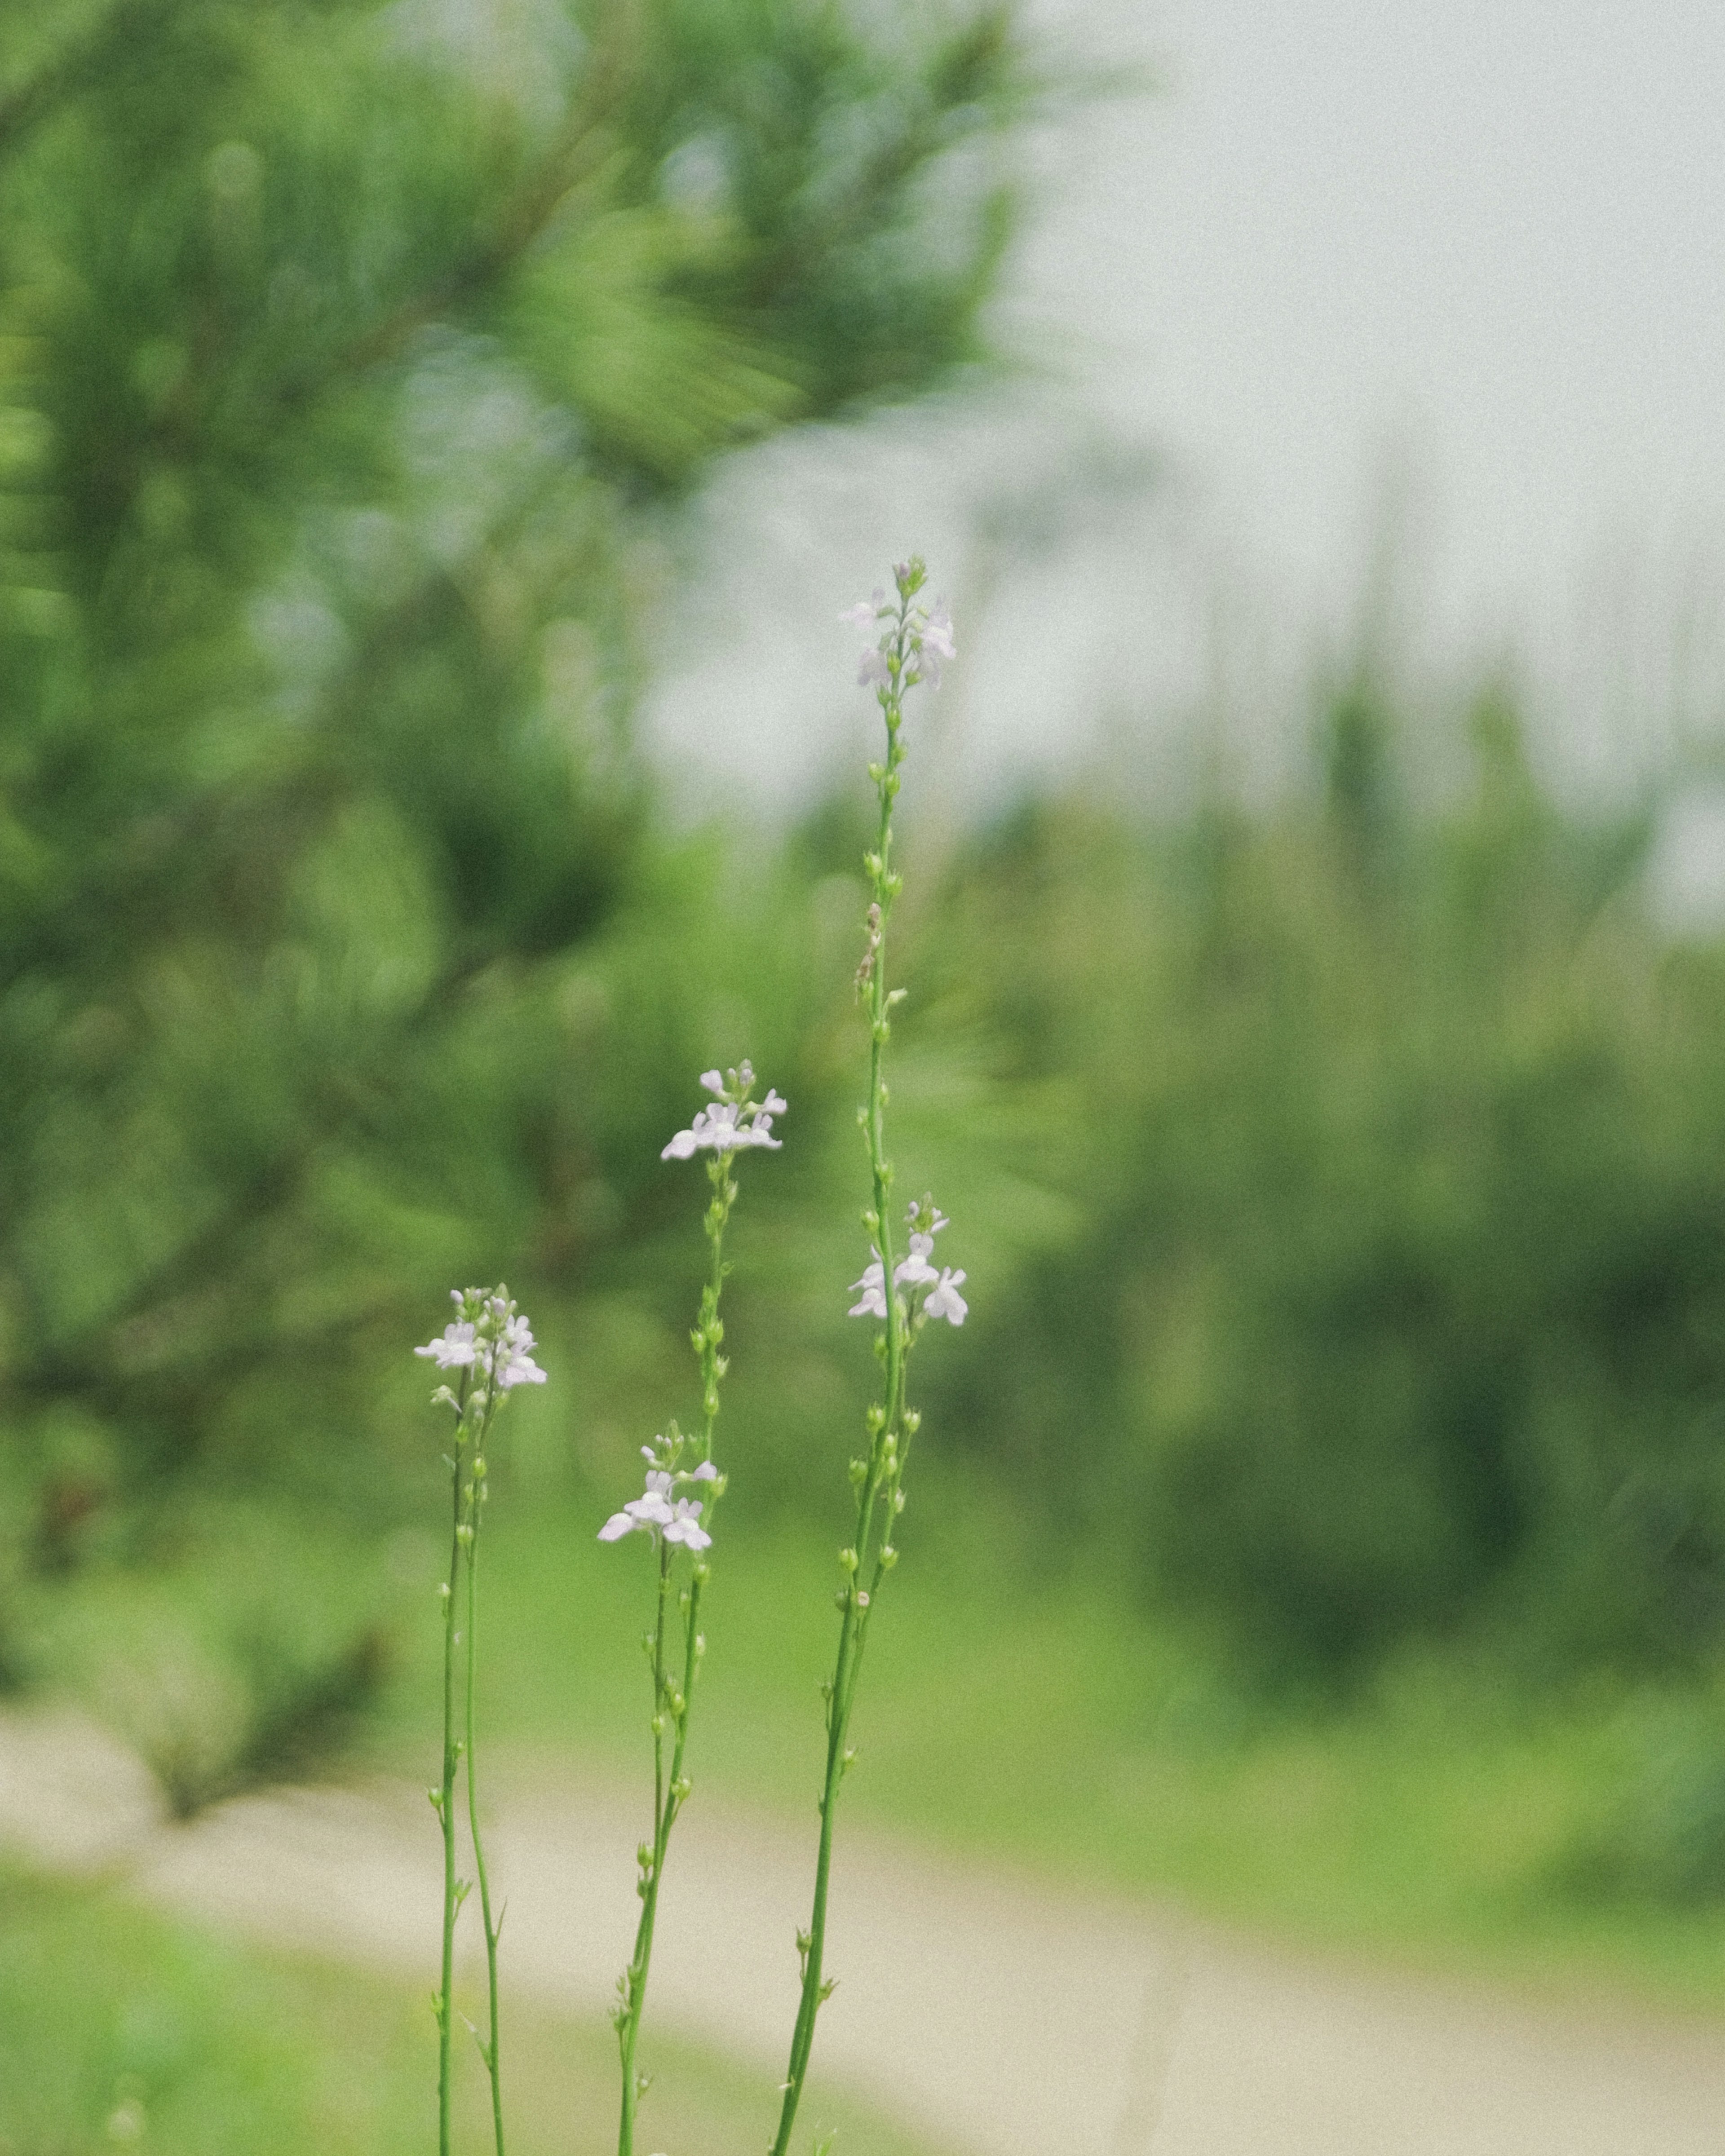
(1362, 279)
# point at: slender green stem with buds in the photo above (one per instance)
(673, 1694)
(475, 1507)
(879, 1475)
(490, 1343)
(444, 1797)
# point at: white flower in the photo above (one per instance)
(720, 1128)
(455, 1348)
(706, 1472)
(873, 1285)
(713, 1081)
(938, 632)
(682, 1528)
(510, 1357)
(652, 1510)
(946, 1302)
(865, 611)
(916, 1270)
(871, 669)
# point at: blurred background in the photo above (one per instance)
(436, 441)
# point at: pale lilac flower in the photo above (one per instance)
(719, 1128)
(938, 632)
(714, 1082)
(650, 1511)
(865, 611)
(706, 1472)
(872, 671)
(682, 1526)
(946, 1302)
(456, 1349)
(512, 1360)
(916, 1270)
(873, 1285)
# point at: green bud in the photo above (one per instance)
(847, 1560)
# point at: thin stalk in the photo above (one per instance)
(446, 1796)
(668, 1700)
(628, 2027)
(878, 1492)
(488, 2049)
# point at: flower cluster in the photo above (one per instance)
(933, 1290)
(915, 642)
(659, 1511)
(489, 1335)
(720, 1127)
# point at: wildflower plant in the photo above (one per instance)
(488, 1345)
(903, 1289)
(912, 640)
(675, 1511)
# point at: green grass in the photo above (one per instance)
(1449, 1815)
(119, 2028)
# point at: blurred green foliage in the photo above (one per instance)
(1399, 1301)
(350, 357)
(1340, 1185)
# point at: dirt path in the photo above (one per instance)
(1002, 2018)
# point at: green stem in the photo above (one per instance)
(668, 1797)
(879, 1485)
(476, 1498)
(446, 1797)
(629, 2028)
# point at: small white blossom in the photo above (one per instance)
(915, 1272)
(938, 632)
(866, 611)
(491, 1339)
(455, 1349)
(872, 671)
(658, 1511)
(946, 1302)
(730, 1121)
(510, 1357)
(682, 1526)
(651, 1510)
(873, 1285)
